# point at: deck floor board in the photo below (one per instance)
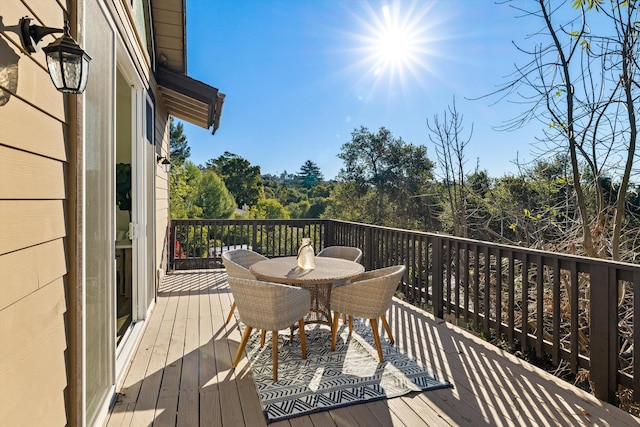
(181, 374)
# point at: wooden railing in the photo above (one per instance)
(575, 310)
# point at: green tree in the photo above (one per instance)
(184, 181)
(179, 150)
(268, 209)
(387, 181)
(214, 198)
(241, 178)
(310, 174)
(535, 208)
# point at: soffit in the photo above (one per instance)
(169, 27)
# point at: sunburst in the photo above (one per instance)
(396, 44)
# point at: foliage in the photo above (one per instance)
(299, 201)
(581, 79)
(310, 174)
(268, 209)
(387, 181)
(214, 198)
(123, 187)
(179, 150)
(241, 178)
(184, 182)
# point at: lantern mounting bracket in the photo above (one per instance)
(32, 34)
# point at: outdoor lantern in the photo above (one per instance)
(68, 64)
(165, 163)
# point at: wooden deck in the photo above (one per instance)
(181, 374)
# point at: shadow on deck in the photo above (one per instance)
(181, 374)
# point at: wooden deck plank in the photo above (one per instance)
(406, 414)
(210, 407)
(320, 419)
(367, 418)
(146, 406)
(302, 422)
(123, 412)
(381, 410)
(209, 393)
(131, 384)
(343, 417)
(184, 358)
(496, 389)
(167, 406)
(188, 398)
(225, 344)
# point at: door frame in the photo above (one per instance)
(139, 189)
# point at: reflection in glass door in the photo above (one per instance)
(124, 207)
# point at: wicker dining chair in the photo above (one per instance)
(237, 263)
(368, 296)
(344, 252)
(269, 306)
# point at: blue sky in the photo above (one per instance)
(301, 75)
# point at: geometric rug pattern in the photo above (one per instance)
(326, 380)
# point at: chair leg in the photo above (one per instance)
(263, 336)
(387, 328)
(230, 315)
(243, 343)
(334, 330)
(350, 324)
(376, 338)
(303, 338)
(274, 345)
(344, 317)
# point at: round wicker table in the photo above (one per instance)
(319, 281)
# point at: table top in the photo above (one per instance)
(285, 270)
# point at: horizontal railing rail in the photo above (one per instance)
(200, 243)
(574, 310)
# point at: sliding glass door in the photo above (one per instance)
(97, 227)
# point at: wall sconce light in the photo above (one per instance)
(68, 64)
(164, 162)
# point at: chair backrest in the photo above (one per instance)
(369, 295)
(344, 252)
(238, 261)
(267, 305)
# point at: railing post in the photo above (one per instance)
(368, 249)
(254, 235)
(603, 332)
(172, 245)
(329, 234)
(437, 283)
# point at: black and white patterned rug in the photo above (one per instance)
(327, 380)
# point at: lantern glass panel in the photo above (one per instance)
(65, 70)
(55, 70)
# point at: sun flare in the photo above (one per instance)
(396, 42)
